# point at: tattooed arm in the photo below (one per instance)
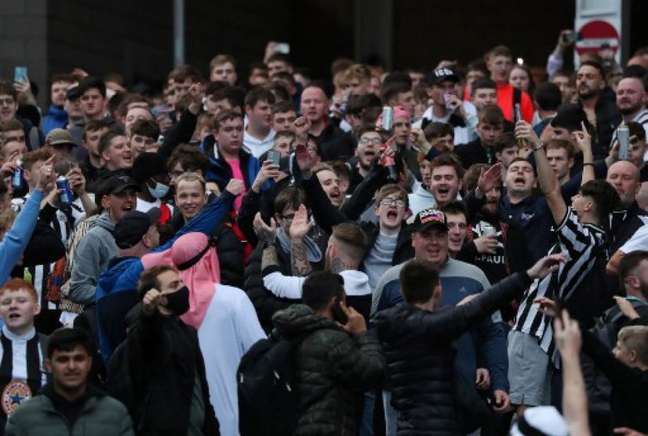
(298, 259)
(298, 229)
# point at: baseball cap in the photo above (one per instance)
(442, 74)
(115, 184)
(130, 229)
(57, 137)
(429, 218)
(541, 420)
(569, 116)
(73, 93)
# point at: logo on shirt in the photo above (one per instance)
(13, 395)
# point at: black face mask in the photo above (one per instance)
(178, 301)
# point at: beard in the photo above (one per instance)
(586, 93)
(630, 110)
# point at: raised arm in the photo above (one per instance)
(584, 142)
(546, 176)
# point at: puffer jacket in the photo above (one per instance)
(418, 347)
(333, 369)
(101, 415)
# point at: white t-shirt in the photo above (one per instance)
(638, 241)
(228, 330)
(256, 147)
(462, 135)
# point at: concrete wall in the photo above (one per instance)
(23, 30)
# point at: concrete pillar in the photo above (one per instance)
(374, 30)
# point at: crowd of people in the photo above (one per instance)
(452, 251)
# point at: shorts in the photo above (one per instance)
(529, 370)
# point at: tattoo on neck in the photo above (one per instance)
(337, 266)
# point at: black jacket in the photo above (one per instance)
(335, 144)
(264, 301)
(327, 216)
(163, 361)
(333, 369)
(418, 346)
(608, 119)
(229, 249)
(473, 153)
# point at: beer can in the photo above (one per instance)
(63, 185)
(623, 136)
(387, 118)
(17, 177)
(487, 229)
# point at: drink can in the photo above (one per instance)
(487, 229)
(17, 177)
(63, 185)
(387, 118)
(623, 136)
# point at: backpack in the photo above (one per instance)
(268, 404)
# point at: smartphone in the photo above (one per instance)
(282, 47)
(569, 37)
(275, 157)
(338, 313)
(20, 74)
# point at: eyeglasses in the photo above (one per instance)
(392, 202)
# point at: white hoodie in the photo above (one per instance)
(356, 284)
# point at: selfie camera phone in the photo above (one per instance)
(20, 74)
(282, 47)
(275, 157)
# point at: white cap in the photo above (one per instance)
(542, 420)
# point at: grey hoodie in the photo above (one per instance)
(91, 258)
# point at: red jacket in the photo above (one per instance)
(505, 102)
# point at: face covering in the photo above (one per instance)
(160, 191)
(178, 301)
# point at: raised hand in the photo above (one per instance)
(490, 178)
(546, 266)
(300, 224)
(355, 324)
(567, 334)
(263, 231)
(47, 176)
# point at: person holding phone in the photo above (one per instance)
(337, 358)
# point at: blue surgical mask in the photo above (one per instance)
(160, 191)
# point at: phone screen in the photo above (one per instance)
(274, 157)
(20, 74)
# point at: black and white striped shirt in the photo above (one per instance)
(63, 224)
(582, 244)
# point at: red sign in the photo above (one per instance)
(594, 34)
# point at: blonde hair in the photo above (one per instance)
(635, 338)
(191, 177)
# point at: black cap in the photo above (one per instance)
(114, 184)
(570, 117)
(73, 93)
(148, 165)
(429, 218)
(130, 229)
(441, 75)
